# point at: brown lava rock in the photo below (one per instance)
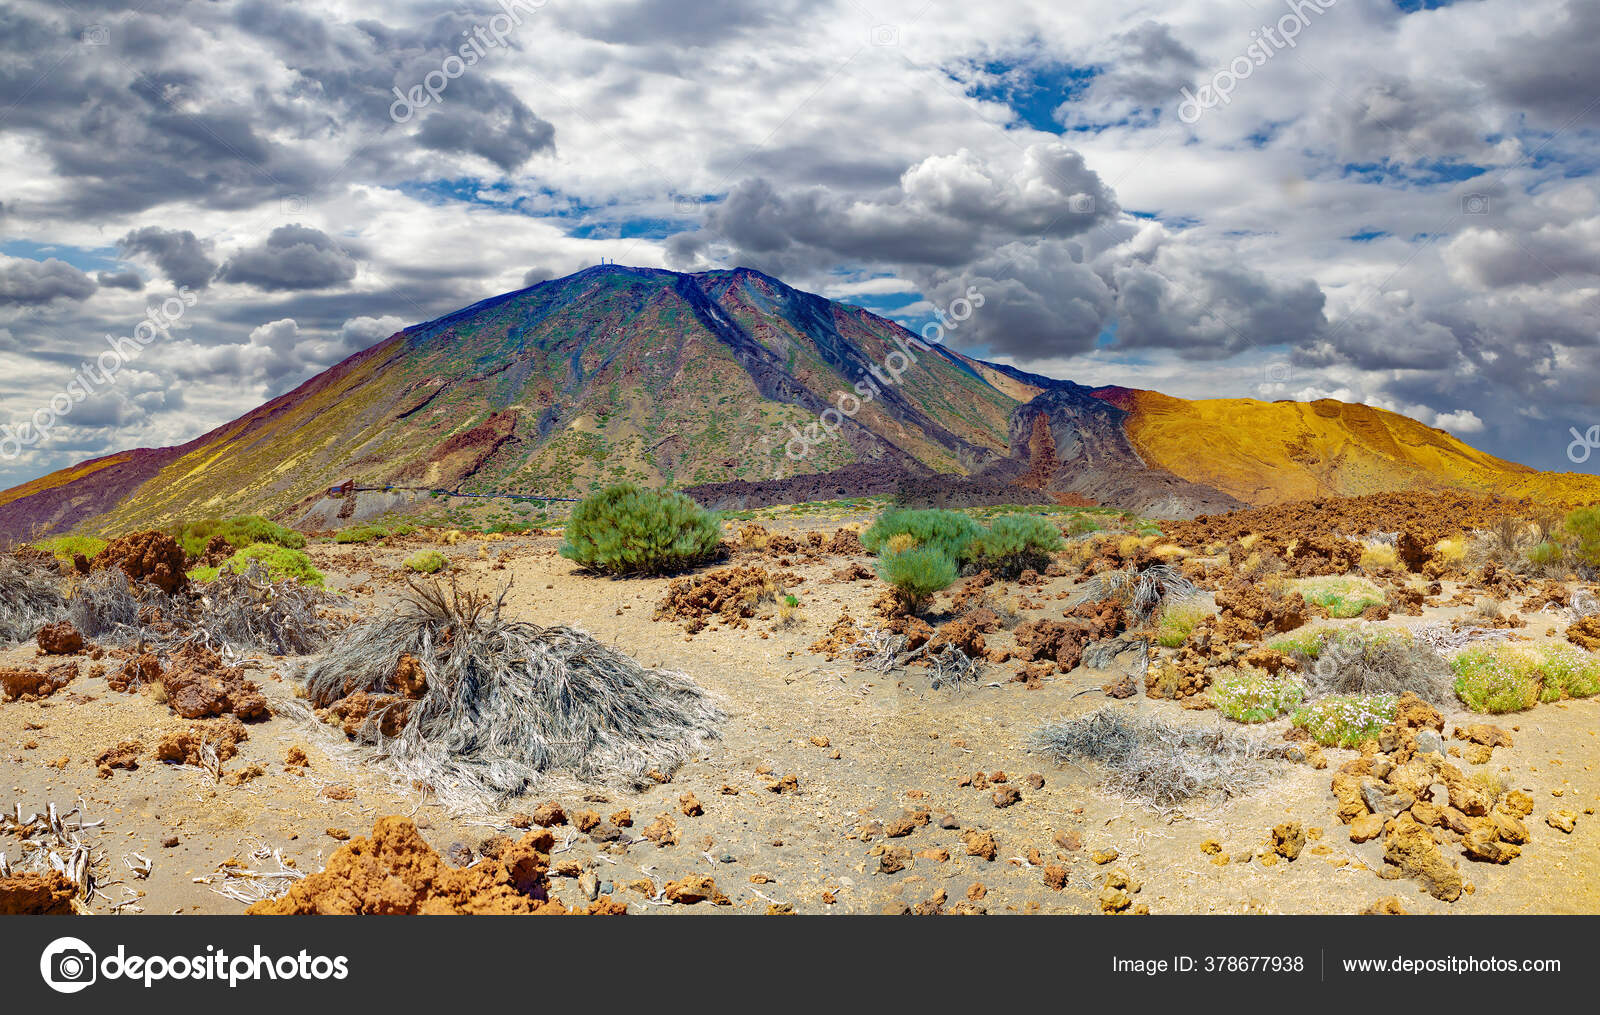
(59, 639)
(152, 557)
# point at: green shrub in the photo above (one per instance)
(1342, 597)
(1177, 620)
(63, 547)
(427, 562)
(1252, 696)
(1584, 526)
(280, 563)
(1013, 544)
(1082, 525)
(624, 530)
(917, 574)
(1496, 678)
(1569, 672)
(1346, 720)
(240, 531)
(946, 531)
(1307, 642)
(201, 575)
(361, 534)
(1545, 554)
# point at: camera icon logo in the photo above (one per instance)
(96, 35)
(294, 204)
(685, 205)
(884, 35)
(1474, 204)
(1278, 373)
(1081, 204)
(68, 965)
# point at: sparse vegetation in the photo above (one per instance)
(1379, 557)
(279, 562)
(427, 562)
(1583, 525)
(1341, 597)
(949, 532)
(917, 574)
(1369, 659)
(64, 548)
(626, 530)
(1144, 593)
(1569, 672)
(239, 532)
(1502, 678)
(1251, 696)
(1013, 544)
(503, 702)
(30, 597)
(1157, 762)
(361, 534)
(1177, 619)
(1345, 720)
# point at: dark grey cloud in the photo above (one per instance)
(128, 279)
(533, 276)
(180, 255)
(293, 257)
(28, 283)
(507, 136)
(131, 109)
(1551, 71)
(669, 23)
(1138, 72)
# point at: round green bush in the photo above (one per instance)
(240, 531)
(427, 562)
(1014, 544)
(626, 530)
(918, 573)
(279, 562)
(947, 531)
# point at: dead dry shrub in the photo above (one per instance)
(507, 701)
(1160, 763)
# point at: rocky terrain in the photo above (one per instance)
(848, 773)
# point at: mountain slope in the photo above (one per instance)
(716, 382)
(611, 373)
(1272, 452)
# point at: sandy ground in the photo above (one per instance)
(900, 746)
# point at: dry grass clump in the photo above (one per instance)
(1379, 556)
(1142, 593)
(507, 701)
(1177, 620)
(1369, 659)
(235, 611)
(1157, 762)
(30, 597)
(1341, 597)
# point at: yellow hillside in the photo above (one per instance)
(1271, 452)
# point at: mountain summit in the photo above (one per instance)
(742, 389)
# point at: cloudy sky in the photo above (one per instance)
(1388, 201)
